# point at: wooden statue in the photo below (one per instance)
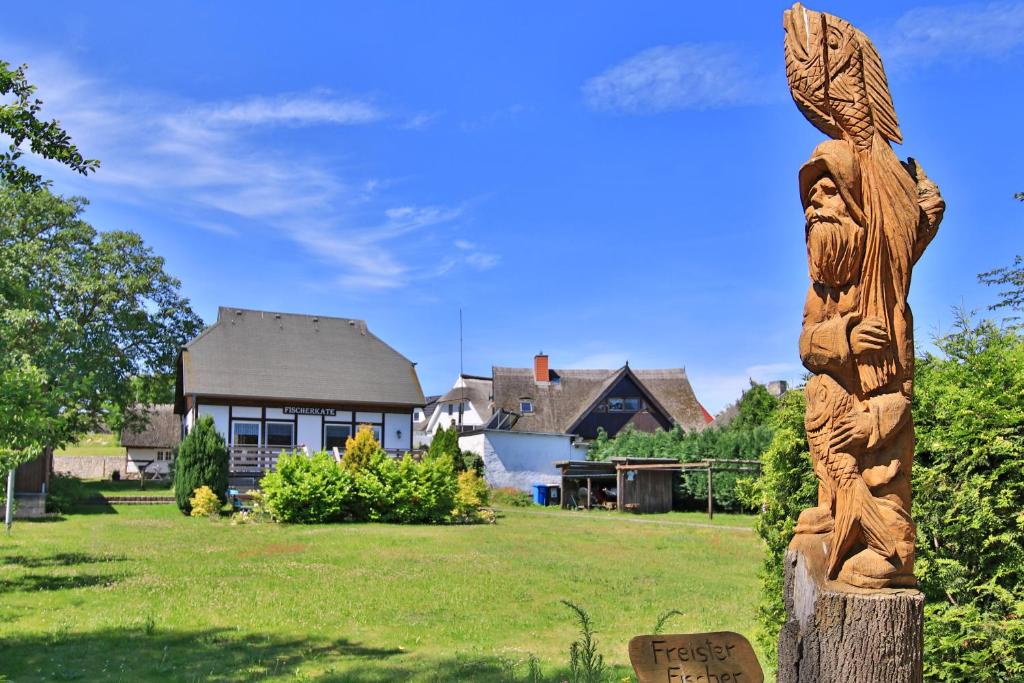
(869, 218)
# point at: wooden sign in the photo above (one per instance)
(722, 657)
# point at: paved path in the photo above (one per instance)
(631, 519)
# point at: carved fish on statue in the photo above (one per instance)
(856, 511)
(836, 78)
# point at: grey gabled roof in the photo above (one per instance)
(162, 430)
(558, 406)
(288, 356)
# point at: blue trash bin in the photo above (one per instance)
(540, 494)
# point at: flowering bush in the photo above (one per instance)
(204, 503)
(471, 499)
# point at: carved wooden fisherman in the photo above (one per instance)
(869, 218)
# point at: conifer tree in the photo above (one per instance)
(361, 449)
(202, 461)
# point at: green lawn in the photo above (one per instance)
(138, 593)
(94, 444)
(128, 487)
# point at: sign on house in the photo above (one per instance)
(303, 410)
(721, 657)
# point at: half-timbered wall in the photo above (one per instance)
(392, 426)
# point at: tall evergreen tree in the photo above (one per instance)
(202, 461)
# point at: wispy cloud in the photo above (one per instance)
(933, 34)
(482, 260)
(420, 120)
(673, 77)
(300, 109)
(218, 166)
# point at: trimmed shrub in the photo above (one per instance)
(511, 496)
(471, 499)
(202, 460)
(309, 489)
(423, 492)
(367, 486)
(436, 485)
(64, 494)
(204, 503)
(378, 484)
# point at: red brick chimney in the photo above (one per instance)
(540, 368)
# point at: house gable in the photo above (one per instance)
(614, 409)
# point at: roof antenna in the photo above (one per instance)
(462, 402)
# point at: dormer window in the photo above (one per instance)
(525, 406)
(623, 405)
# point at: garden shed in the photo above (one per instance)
(627, 484)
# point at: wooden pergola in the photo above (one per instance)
(641, 484)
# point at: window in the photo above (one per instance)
(336, 435)
(245, 433)
(525, 407)
(451, 408)
(280, 433)
(616, 405)
(632, 405)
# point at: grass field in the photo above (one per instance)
(128, 487)
(94, 444)
(142, 593)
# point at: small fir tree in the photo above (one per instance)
(361, 449)
(446, 442)
(202, 461)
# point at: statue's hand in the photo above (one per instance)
(851, 432)
(869, 335)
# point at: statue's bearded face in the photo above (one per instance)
(835, 242)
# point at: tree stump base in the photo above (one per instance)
(835, 633)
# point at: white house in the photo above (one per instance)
(281, 381)
(522, 459)
(468, 404)
(536, 416)
(420, 418)
(150, 447)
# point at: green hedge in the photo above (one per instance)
(316, 489)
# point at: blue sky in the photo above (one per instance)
(601, 181)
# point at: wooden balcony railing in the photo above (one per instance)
(255, 459)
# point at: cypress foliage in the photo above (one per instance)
(446, 442)
(202, 461)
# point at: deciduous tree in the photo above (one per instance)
(20, 121)
(91, 311)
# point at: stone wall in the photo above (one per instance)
(90, 466)
(29, 505)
